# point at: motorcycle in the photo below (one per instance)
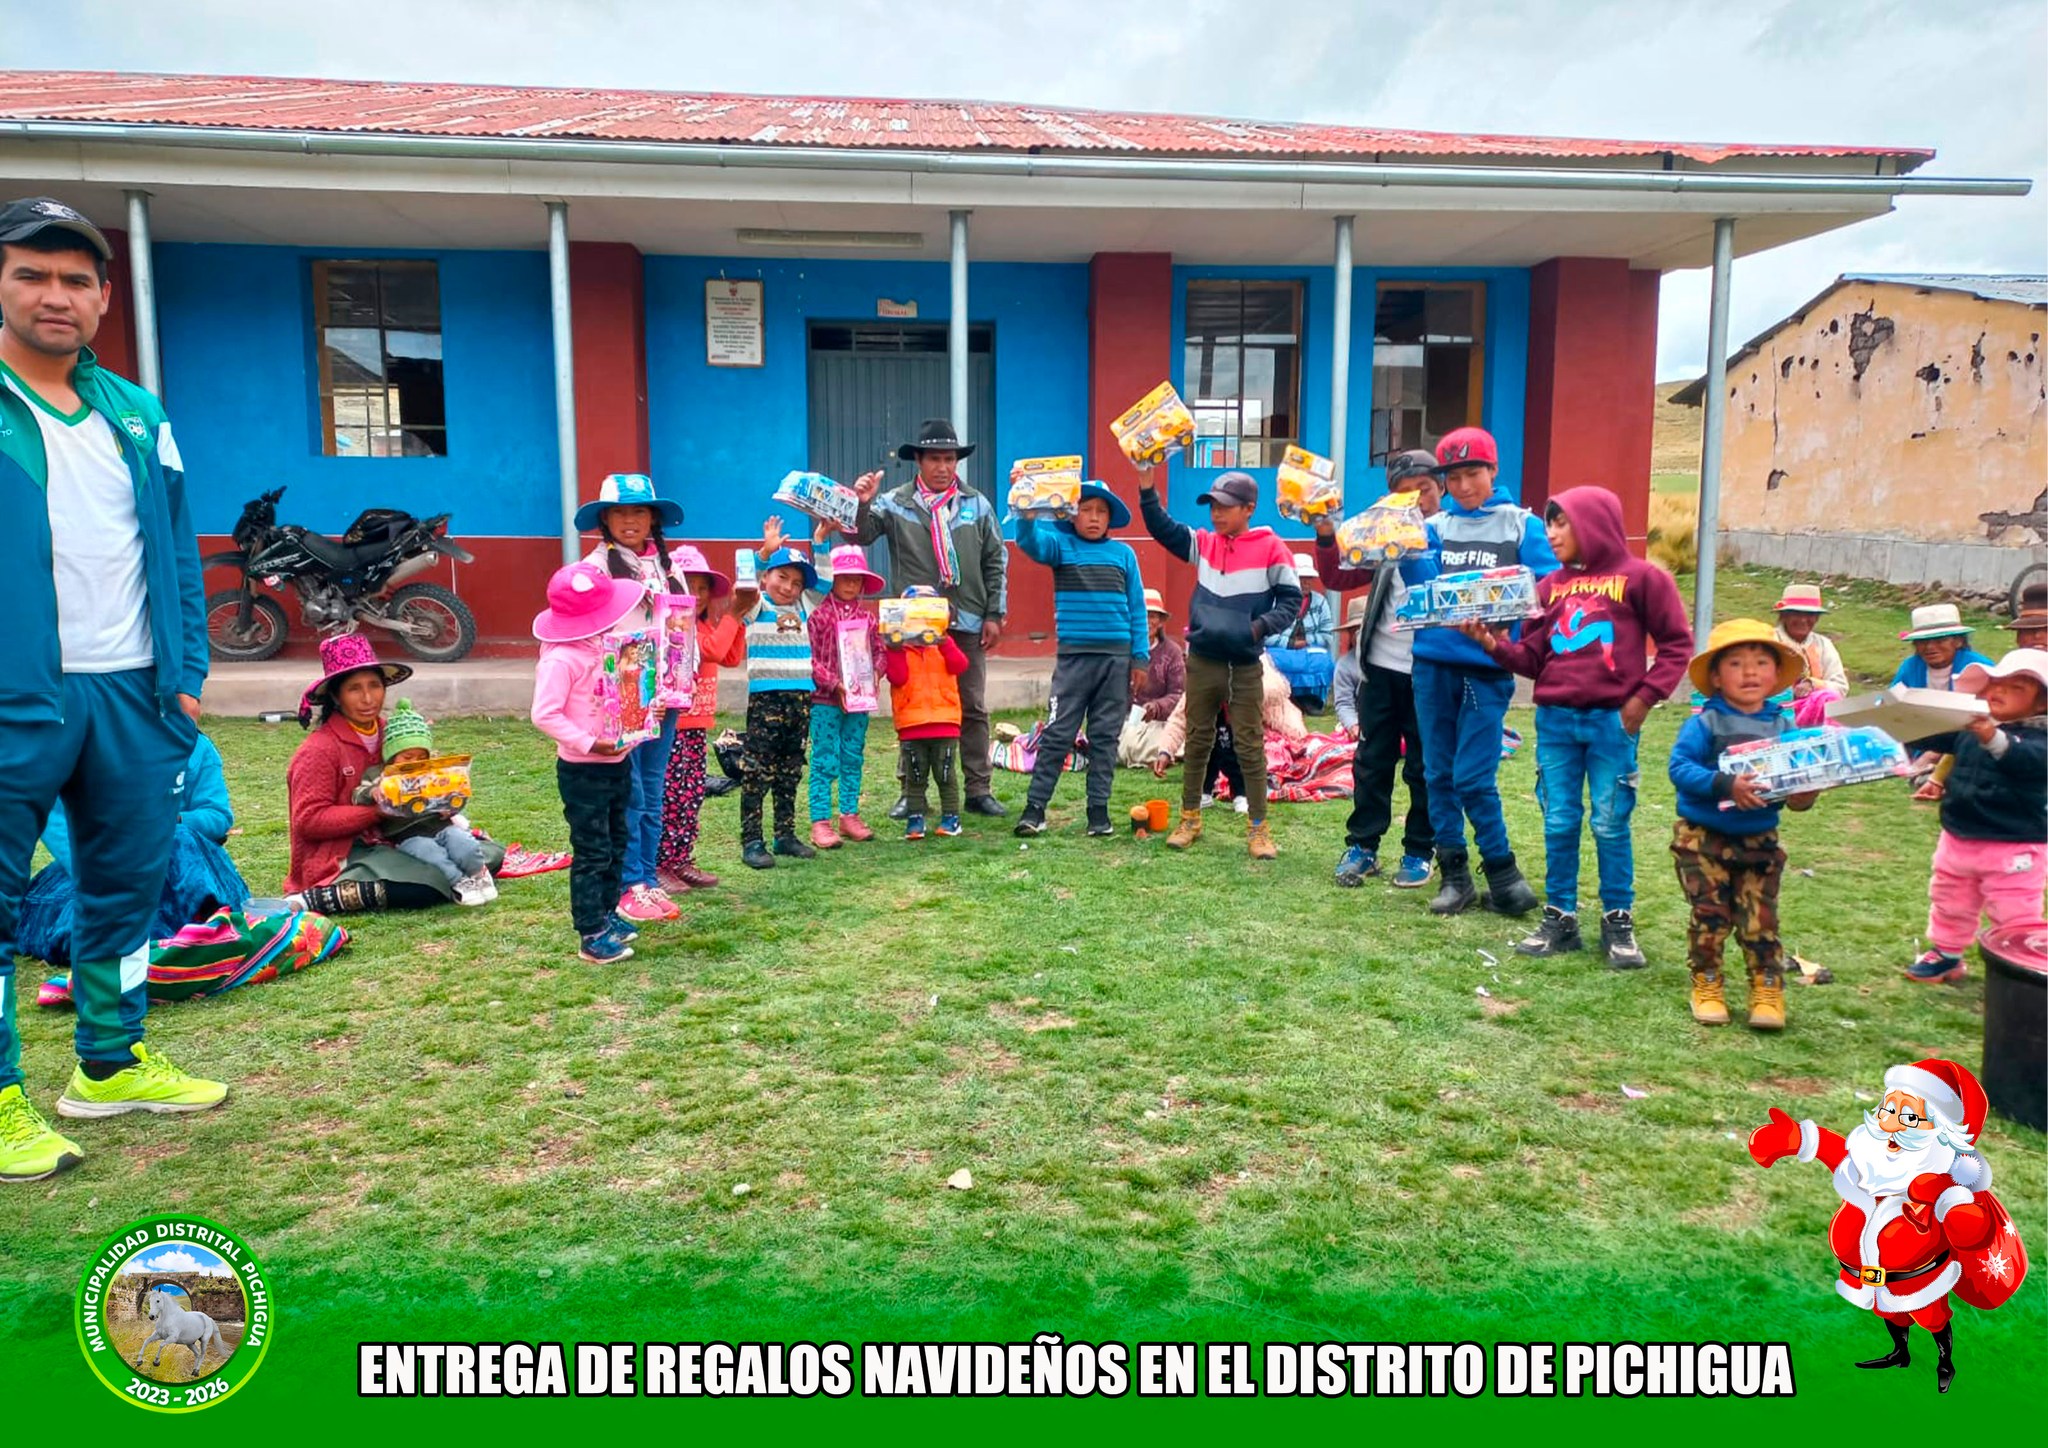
(358, 579)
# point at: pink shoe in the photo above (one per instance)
(640, 907)
(853, 828)
(669, 909)
(823, 836)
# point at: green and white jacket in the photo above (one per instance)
(31, 661)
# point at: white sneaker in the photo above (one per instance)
(1241, 805)
(468, 891)
(488, 885)
(1207, 800)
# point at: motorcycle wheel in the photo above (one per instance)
(224, 636)
(451, 626)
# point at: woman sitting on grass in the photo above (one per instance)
(338, 863)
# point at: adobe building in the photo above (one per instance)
(1892, 428)
(350, 292)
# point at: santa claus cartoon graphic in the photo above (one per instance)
(1918, 1220)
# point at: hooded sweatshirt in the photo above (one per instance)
(1590, 648)
(1499, 533)
(1246, 589)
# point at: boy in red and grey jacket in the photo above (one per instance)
(1596, 680)
(1246, 591)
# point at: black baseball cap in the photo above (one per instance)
(19, 220)
(1236, 488)
(1413, 463)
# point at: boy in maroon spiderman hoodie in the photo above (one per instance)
(1596, 680)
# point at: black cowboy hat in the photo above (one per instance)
(936, 435)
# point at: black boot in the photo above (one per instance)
(1898, 1357)
(1944, 1368)
(1457, 894)
(1507, 893)
(1555, 934)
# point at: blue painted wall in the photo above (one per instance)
(721, 437)
(241, 384)
(1505, 384)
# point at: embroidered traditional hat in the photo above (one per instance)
(1729, 633)
(1800, 598)
(628, 490)
(1936, 621)
(850, 560)
(406, 728)
(686, 559)
(583, 602)
(936, 435)
(340, 656)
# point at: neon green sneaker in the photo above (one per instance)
(29, 1150)
(151, 1084)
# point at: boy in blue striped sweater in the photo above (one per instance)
(1105, 645)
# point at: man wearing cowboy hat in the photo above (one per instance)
(946, 538)
(103, 662)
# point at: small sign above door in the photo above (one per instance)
(733, 323)
(886, 308)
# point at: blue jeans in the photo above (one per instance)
(1459, 713)
(839, 742)
(647, 768)
(1580, 752)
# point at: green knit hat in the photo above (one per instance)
(406, 728)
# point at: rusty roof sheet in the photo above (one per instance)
(527, 112)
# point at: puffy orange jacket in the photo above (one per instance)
(924, 689)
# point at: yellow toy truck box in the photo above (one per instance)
(1307, 486)
(1047, 488)
(908, 621)
(1157, 424)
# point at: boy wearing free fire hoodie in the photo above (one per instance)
(1595, 684)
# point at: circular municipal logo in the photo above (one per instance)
(173, 1313)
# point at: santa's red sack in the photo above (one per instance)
(1993, 1271)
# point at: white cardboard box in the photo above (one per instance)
(1908, 714)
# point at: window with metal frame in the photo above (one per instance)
(377, 338)
(1241, 370)
(1428, 363)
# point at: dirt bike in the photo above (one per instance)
(354, 581)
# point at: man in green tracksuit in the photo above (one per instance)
(100, 669)
(945, 537)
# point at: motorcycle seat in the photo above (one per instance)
(340, 556)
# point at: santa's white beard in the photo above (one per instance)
(1883, 1172)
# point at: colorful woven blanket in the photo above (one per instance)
(228, 949)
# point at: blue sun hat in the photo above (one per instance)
(1119, 515)
(789, 558)
(628, 490)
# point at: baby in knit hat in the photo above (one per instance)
(442, 841)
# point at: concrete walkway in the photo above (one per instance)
(505, 686)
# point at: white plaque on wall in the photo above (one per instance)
(733, 323)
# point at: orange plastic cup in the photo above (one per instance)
(1159, 811)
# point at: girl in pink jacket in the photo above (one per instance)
(584, 603)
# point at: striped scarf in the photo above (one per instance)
(941, 507)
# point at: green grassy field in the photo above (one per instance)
(1199, 1100)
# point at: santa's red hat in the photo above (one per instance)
(1945, 1087)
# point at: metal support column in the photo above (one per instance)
(956, 327)
(1707, 531)
(1340, 339)
(142, 280)
(565, 374)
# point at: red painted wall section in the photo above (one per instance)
(115, 344)
(1592, 382)
(608, 315)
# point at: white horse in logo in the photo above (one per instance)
(174, 1326)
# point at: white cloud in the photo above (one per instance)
(1965, 80)
(178, 1259)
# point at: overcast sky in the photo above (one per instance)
(1966, 79)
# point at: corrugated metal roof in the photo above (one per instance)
(2030, 291)
(409, 108)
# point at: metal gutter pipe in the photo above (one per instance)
(142, 290)
(565, 374)
(956, 328)
(1707, 531)
(1121, 168)
(1340, 341)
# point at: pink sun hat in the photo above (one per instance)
(686, 559)
(850, 559)
(584, 601)
(340, 656)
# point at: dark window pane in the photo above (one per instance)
(412, 295)
(350, 297)
(354, 356)
(378, 334)
(1240, 368)
(1447, 315)
(1427, 357)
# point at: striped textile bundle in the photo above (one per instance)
(228, 949)
(1309, 770)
